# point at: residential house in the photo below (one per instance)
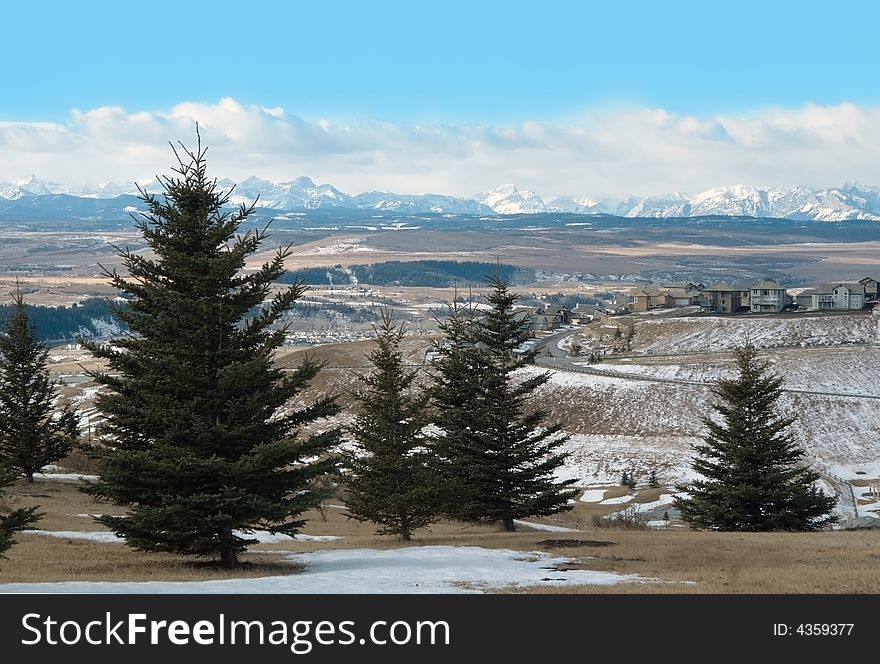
(723, 298)
(583, 313)
(767, 296)
(649, 298)
(870, 285)
(842, 295)
(804, 299)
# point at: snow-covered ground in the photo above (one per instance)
(263, 537)
(428, 569)
(676, 335)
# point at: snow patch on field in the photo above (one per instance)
(428, 569)
(593, 495)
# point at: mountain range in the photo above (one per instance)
(849, 202)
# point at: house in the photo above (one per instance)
(583, 313)
(804, 299)
(561, 315)
(870, 285)
(767, 296)
(842, 295)
(649, 298)
(682, 296)
(723, 298)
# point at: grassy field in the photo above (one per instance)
(683, 561)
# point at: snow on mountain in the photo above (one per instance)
(507, 199)
(419, 203)
(300, 193)
(10, 191)
(851, 201)
(575, 205)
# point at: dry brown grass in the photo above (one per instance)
(683, 561)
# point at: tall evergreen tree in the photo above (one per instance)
(755, 478)
(391, 481)
(197, 442)
(33, 432)
(499, 458)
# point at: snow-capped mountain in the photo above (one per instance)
(416, 203)
(851, 201)
(507, 199)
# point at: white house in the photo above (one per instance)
(840, 295)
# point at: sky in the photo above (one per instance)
(564, 98)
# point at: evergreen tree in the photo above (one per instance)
(754, 474)
(16, 520)
(32, 432)
(197, 441)
(497, 460)
(391, 483)
(624, 479)
(653, 483)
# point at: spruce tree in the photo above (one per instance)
(391, 482)
(199, 441)
(753, 470)
(33, 432)
(499, 457)
(16, 520)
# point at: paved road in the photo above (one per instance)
(550, 356)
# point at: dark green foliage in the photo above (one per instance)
(631, 481)
(624, 479)
(391, 482)
(653, 483)
(497, 459)
(33, 432)
(17, 520)
(197, 443)
(65, 323)
(430, 273)
(754, 474)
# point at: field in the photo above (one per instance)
(675, 560)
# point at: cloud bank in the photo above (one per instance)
(611, 153)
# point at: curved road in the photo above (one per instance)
(549, 355)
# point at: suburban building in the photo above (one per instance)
(767, 296)
(649, 298)
(870, 285)
(723, 298)
(840, 295)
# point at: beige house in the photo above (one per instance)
(842, 295)
(646, 299)
(767, 296)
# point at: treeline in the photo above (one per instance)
(61, 323)
(432, 273)
(307, 310)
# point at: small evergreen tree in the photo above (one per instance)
(652, 480)
(199, 443)
(499, 460)
(16, 520)
(33, 432)
(624, 479)
(754, 473)
(391, 481)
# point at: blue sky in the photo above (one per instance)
(493, 65)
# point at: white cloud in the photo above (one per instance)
(629, 151)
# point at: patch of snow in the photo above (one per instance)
(545, 527)
(593, 495)
(410, 570)
(620, 500)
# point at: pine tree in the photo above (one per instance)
(754, 474)
(199, 442)
(497, 460)
(624, 479)
(16, 520)
(33, 432)
(391, 481)
(653, 483)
